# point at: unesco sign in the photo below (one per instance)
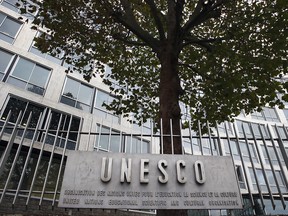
(147, 181)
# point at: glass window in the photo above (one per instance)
(30, 76)
(5, 59)
(99, 108)
(108, 139)
(260, 178)
(14, 106)
(267, 114)
(9, 28)
(272, 154)
(240, 176)
(234, 150)
(257, 115)
(226, 147)
(245, 153)
(77, 94)
(243, 125)
(270, 114)
(285, 111)
(59, 120)
(136, 145)
(187, 145)
(279, 131)
(62, 121)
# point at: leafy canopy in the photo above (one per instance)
(232, 53)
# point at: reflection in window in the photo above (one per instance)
(78, 95)
(30, 76)
(9, 28)
(5, 59)
(226, 147)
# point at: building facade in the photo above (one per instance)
(45, 113)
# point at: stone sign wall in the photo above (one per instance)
(146, 181)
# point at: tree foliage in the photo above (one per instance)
(227, 55)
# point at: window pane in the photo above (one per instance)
(85, 94)
(101, 98)
(17, 82)
(68, 101)
(39, 76)
(104, 139)
(82, 106)
(10, 4)
(35, 89)
(2, 16)
(10, 27)
(145, 147)
(23, 69)
(4, 60)
(115, 142)
(71, 88)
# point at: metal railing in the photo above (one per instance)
(32, 166)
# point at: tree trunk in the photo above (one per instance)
(170, 113)
(170, 90)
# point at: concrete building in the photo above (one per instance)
(67, 115)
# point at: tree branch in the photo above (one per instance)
(205, 42)
(155, 14)
(196, 71)
(203, 12)
(128, 42)
(128, 20)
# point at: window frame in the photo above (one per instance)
(28, 81)
(77, 101)
(5, 34)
